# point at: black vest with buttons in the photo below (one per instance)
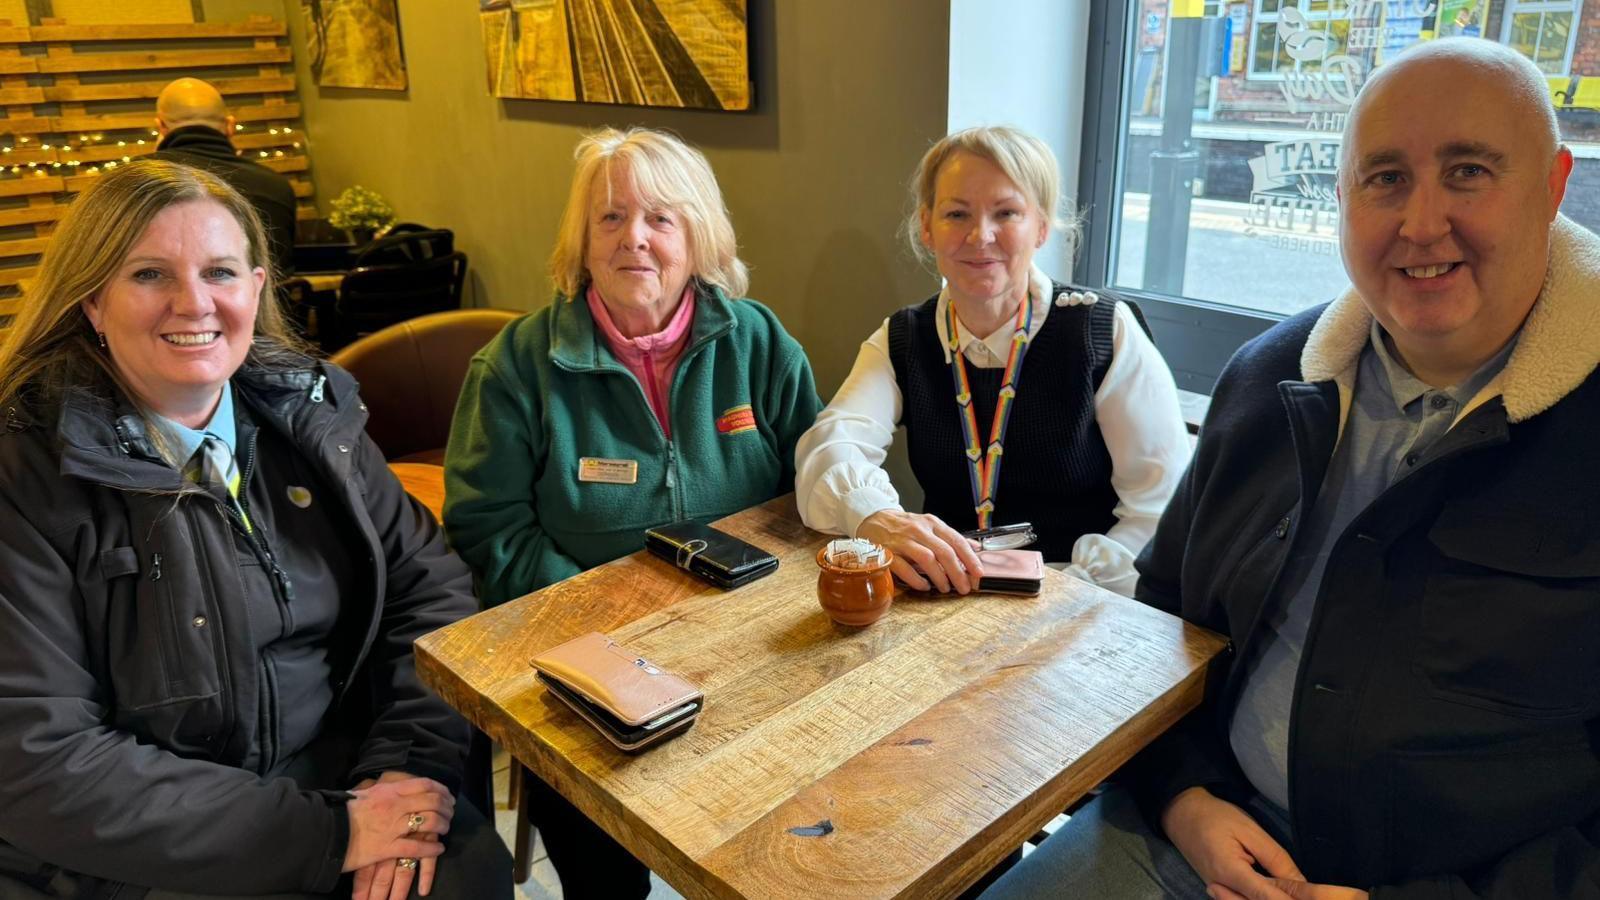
(1056, 471)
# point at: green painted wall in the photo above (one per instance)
(849, 94)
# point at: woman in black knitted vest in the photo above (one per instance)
(1002, 365)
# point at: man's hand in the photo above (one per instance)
(923, 545)
(1299, 890)
(381, 834)
(1304, 890)
(1224, 845)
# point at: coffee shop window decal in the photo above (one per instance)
(355, 43)
(672, 53)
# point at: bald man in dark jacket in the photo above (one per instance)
(195, 128)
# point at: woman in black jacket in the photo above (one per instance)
(209, 586)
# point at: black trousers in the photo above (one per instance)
(475, 866)
(586, 859)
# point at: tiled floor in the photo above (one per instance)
(542, 883)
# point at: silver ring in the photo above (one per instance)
(415, 821)
(406, 862)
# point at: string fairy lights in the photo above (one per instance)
(99, 154)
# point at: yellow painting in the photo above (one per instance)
(355, 43)
(686, 53)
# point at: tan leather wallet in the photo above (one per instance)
(630, 700)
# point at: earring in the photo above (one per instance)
(102, 336)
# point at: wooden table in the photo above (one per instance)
(324, 281)
(899, 760)
(423, 481)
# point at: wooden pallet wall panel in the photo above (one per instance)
(58, 134)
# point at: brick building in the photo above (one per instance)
(1275, 71)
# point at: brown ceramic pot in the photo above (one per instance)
(854, 596)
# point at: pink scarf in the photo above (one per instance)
(652, 358)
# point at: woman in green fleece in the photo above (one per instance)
(645, 393)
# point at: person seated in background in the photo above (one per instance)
(1093, 438)
(209, 585)
(1391, 514)
(197, 130)
(645, 393)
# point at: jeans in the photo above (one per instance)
(1107, 849)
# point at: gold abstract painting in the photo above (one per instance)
(686, 53)
(355, 43)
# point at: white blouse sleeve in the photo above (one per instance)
(1137, 410)
(839, 479)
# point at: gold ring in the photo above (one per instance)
(406, 862)
(415, 821)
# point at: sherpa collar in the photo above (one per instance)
(1558, 348)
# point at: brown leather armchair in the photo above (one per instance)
(411, 373)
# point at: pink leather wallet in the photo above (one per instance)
(1011, 572)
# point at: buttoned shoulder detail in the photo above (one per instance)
(1077, 298)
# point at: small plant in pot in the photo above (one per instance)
(361, 213)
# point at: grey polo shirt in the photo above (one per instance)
(1394, 420)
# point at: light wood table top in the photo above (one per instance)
(902, 759)
(423, 481)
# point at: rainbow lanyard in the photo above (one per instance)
(984, 468)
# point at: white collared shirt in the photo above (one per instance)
(839, 461)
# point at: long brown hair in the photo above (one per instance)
(51, 346)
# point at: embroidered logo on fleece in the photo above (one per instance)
(737, 420)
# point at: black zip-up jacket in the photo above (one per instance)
(1444, 738)
(121, 752)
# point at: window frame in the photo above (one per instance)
(1540, 7)
(1195, 336)
(1260, 17)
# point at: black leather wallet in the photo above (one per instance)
(716, 556)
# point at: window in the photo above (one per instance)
(1209, 158)
(1543, 32)
(1317, 26)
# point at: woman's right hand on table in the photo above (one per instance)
(928, 554)
(380, 816)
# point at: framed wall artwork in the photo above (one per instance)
(675, 53)
(355, 43)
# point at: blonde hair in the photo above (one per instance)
(51, 346)
(1024, 159)
(663, 171)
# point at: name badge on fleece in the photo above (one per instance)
(608, 471)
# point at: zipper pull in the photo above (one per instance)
(316, 389)
(671, 459)
(283, 582)
(155, 567)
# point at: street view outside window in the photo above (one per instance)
(1233, 121)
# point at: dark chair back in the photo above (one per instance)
(411, 373)
(372, 298)
(407, 242)
(319, 247)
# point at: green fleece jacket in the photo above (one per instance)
(521, 508)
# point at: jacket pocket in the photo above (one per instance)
(1511, 614)
(153, 656)
(1456, 807)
